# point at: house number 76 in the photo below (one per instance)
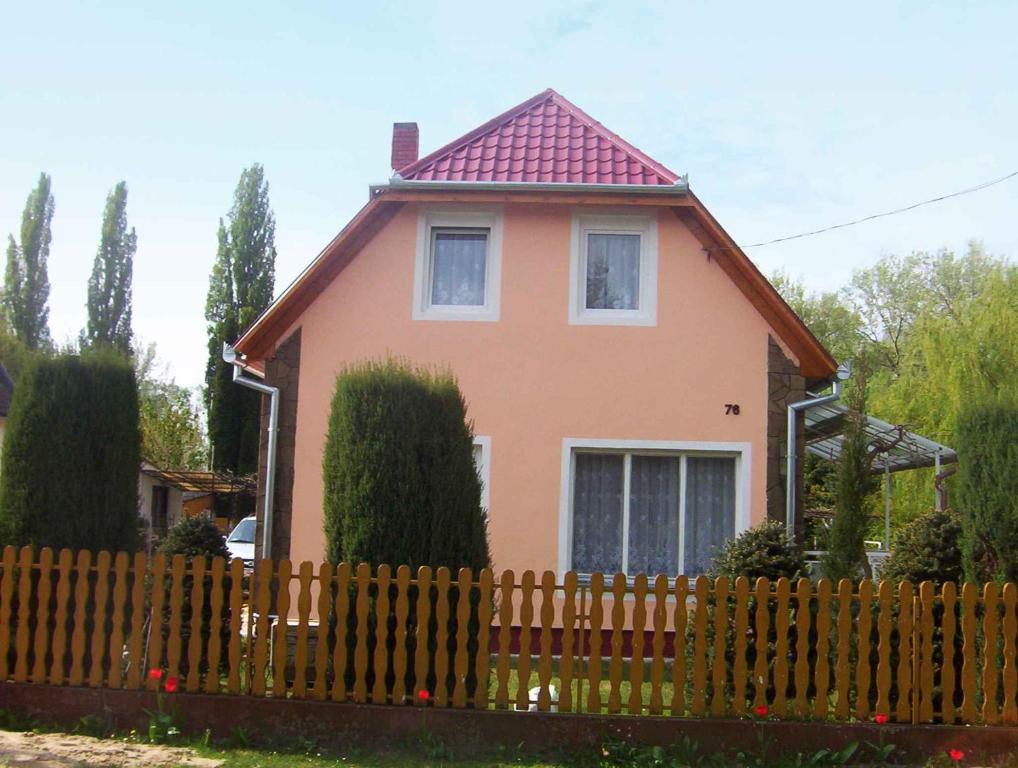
(731, 409)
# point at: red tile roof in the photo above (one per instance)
(544, 139)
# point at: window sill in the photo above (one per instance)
(473, 314)
(612, 317)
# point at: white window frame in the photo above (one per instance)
(586, 224)
(484, 468)
(430, 219)
(741, 452)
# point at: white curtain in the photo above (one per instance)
(458, 268)
(597, 513)
(654, 515)
(613, 271)
(710, 510)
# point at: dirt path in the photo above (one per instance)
(60, 750)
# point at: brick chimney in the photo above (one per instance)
(405, 140)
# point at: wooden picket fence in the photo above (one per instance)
(639, 646)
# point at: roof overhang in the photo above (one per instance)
(815, 362)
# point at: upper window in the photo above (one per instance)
(614, 271)
(650, 513)
(458, 266)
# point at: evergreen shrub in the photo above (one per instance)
(927, 549)
(765, 550)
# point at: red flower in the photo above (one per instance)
(880, 719)
(423, 694)
(761, 710)
(955, 754)
(155, 674)
(171, 685)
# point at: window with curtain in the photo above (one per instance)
(458, 266)
(613, 271)
(650, 513)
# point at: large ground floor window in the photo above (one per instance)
(654, 512)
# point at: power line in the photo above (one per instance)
(976, 188)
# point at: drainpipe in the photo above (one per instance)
(230, 356)
(791, 488)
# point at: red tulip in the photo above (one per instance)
(956, 754)
(423, 694)
(171, 685)
(155, 674)
(880, 719)
(761, 710)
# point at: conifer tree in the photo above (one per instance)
(26, 282)
(240, 287)
(109, 287)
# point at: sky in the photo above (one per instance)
(787, 117)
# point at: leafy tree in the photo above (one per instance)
(988, 492)
(172, 432)
(835, 323)
(927, 549)
(240, 287)
(109, 287)
(400, 482)
(26, 282)
(71, 455)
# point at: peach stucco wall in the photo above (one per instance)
(532, 379)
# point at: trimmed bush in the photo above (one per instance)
(400, 483)
(765, 550)
(71, 455)
(987, 439)
(927, 549)
(193, 537)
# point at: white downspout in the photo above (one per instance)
(230, 356)
(791, 487)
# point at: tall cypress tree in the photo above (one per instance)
(109, 287)
(26, 282)
(240, 287)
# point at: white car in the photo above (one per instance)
(241, 541)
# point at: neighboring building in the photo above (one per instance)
(626, 366)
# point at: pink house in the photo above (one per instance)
(627, 368)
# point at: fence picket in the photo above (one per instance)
(803, 596)
(399, 653)
(594, 666)
(56, 670)
(154, 652)
(116, 652)
(991, 595)
(884, 629)
(173, 650)
(702, 592)
(321, 689)
(281, 642)
(924, 685)
(905, 618)
(461, 661)
(719, 664)
(635, 703)
(618, 617)
(782, 591)
(360, 651)
(842, 676)
(482, 668)
(22, 637)
(864, 624)
(969, 599)
(135, 643)
(822, 670)
(677, 706)
(1008, 672)
(566, 661)
(340, 653)
(197, 609)
(421, 640)
(215, 646)
(6, 598)
(442, 583)
(305, 575)
(102, 585)
(77, 674)
(523, 660)
(505, 623)
(237, 609)
(544, 659)
(761, 666)
(263, 581)
(949, 596)
(42, 625)
(657, 663)
(383, 579)
(739, 668)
